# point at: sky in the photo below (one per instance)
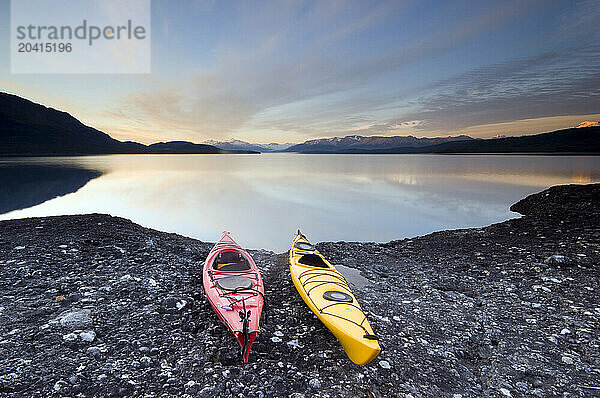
(288, 71)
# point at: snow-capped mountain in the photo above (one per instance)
(374, 142)
(243, 145)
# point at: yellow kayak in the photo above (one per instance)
(328, 295)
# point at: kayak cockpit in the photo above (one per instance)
(313, 260)
(230, 260)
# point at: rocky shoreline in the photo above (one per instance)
(94, 305)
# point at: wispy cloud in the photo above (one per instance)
(549, 84)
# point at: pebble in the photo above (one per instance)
(538, 393)
(557, 259)
(70, 337)
(180, 304)
(94, 351)
(61, 386)
(208, 392)
(385, 364)
(294, 344)
(79, 319)
(88, 336)
(315, 384)
(276, 339)
(567, 360)
(522, 386)
(505, 392)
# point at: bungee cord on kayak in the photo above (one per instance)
(346, 298)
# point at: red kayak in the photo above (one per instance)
(235, 290)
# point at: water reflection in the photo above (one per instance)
(27, 185)
(264, 199)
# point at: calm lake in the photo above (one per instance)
(264, 199)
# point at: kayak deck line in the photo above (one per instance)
(345, 285)
(318, 272)
(251, 291)
(227, 274)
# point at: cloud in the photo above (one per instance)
(549, 84)
(580, 24)
(449, 37)
(371, 16)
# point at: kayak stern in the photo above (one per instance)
(245, 346)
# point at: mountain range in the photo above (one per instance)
(359, 143)
(234, 144)
(30, 129)
(576, 140)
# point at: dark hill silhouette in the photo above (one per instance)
(183, 147)
(30, 129)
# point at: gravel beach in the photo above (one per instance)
(94, 305)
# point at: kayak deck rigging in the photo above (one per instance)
(252, 292)
(341, 283)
